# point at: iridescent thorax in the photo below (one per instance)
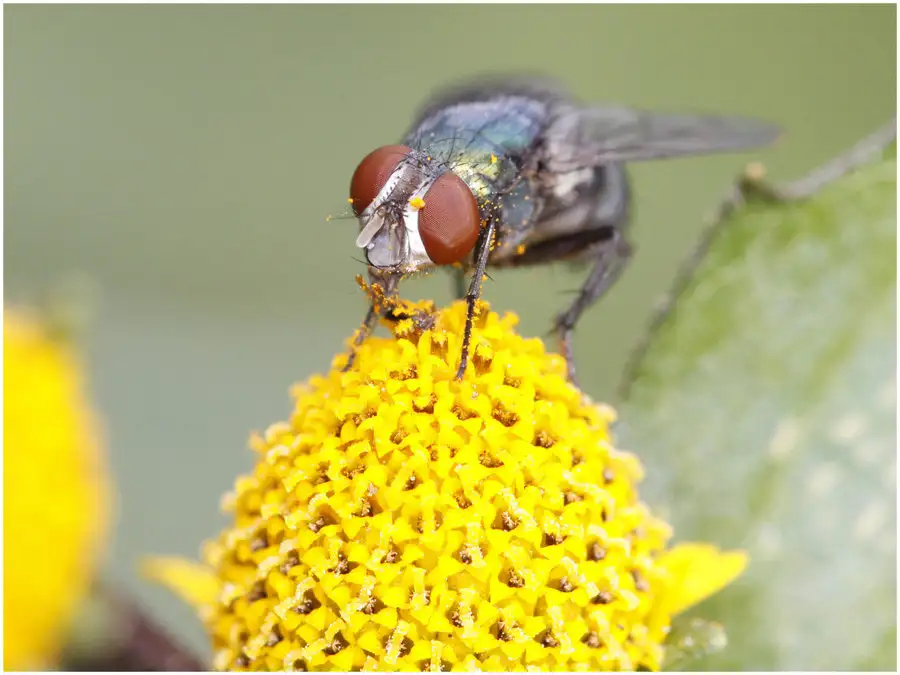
(486, 143)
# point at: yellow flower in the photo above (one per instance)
(401, 520)
(55, 492)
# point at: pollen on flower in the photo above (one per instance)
(401, 520)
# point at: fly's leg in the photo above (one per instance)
(482, 253)
(368, 325)
(383, 287)
(612, 257)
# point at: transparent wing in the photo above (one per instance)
(580, 138)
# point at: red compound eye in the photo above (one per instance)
(372, 173)
(449, 222)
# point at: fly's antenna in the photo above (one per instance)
(341, 216)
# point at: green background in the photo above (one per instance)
(186, 159)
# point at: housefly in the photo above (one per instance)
(510, 172)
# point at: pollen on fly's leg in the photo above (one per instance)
(380, 298)
(362, 333)
(384, 303)
(420, 319)
(482, 252)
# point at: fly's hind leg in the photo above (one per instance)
(612, 257)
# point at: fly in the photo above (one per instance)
(512, 172)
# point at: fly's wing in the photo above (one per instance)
(585, 137)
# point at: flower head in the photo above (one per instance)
(55, 492)
(401, 520)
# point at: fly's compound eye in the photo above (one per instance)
(449, 221)
(372, 173)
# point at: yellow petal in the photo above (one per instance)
(698, 571)
(194, 583)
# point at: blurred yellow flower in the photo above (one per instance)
(55, 492)
(401, 520)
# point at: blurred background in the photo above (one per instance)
(185, 158)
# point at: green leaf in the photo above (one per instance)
(690, 640)
(763, 405)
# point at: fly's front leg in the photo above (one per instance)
(611, 259)
(482, 253)
(368, 325)
(383, 287)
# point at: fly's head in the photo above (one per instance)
(414, 213)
